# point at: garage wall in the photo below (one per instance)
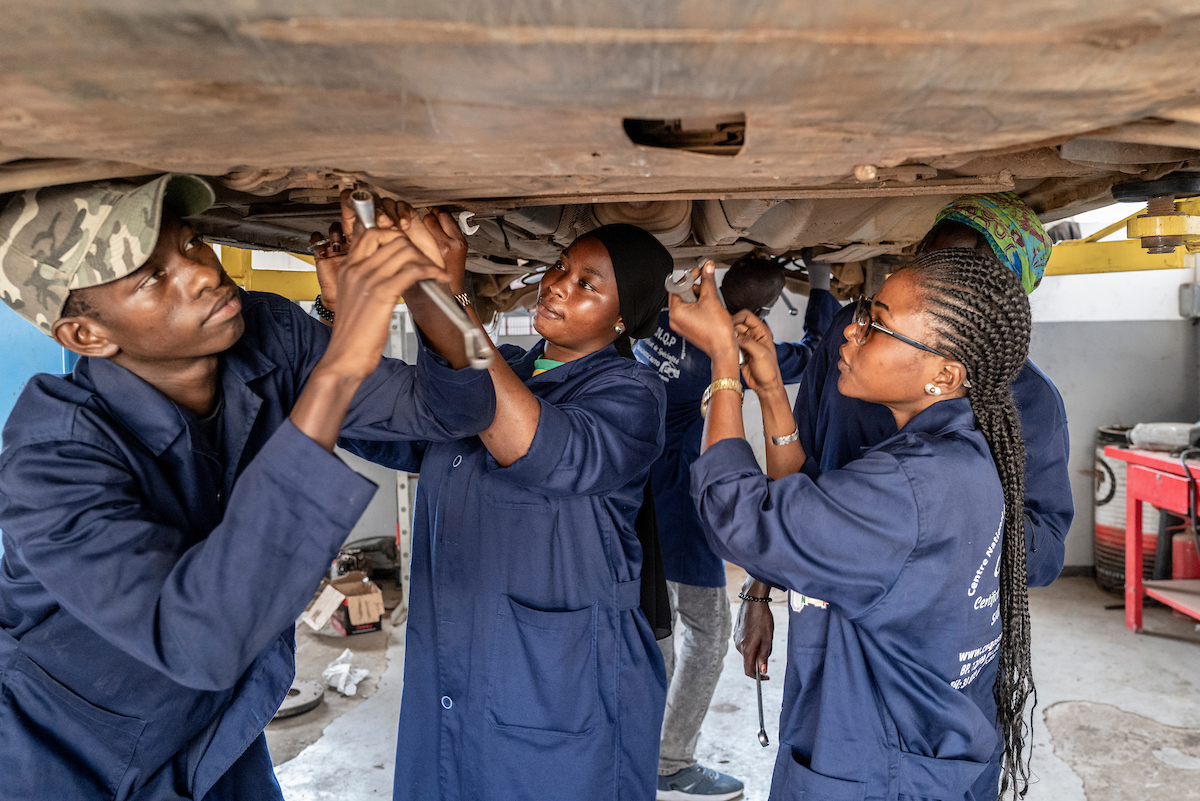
(1119, 353)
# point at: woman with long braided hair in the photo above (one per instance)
(911, 672)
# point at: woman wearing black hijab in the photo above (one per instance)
(531, 670)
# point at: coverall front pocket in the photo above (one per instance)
(543, 669)
(795, 782)
(925, 778)
(59, 740)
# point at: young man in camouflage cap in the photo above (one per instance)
(169, 507)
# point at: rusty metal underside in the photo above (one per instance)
(730, 126)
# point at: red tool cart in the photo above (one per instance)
(1159, 479)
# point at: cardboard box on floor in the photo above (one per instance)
(352, 604)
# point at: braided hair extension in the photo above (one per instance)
(979, 314)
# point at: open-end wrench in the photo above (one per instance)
(479, 355)
(685, 289)
(763, 739)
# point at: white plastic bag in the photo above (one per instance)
(342, 676)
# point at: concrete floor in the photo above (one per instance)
(1118, 715)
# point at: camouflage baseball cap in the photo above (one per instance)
(59, 238)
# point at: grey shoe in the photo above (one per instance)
(698, 782)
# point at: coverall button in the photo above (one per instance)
(457, 462)
(446, 702)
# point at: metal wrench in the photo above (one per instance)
(763, 739)
(479, 355)
(685, 289)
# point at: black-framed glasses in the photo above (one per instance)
(865, 322)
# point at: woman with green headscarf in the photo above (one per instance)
(834, 430)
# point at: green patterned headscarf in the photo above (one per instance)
(1010, 227)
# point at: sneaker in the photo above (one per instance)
(698, 782)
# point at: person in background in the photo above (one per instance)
(834, 429)
(696, 575)
(531, 669)
(908, 666)
(169, 508)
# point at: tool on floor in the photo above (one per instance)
(303, 696)
(763, 739)
(479, 355)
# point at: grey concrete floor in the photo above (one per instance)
(1118, 714)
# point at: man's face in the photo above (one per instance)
(179, 305)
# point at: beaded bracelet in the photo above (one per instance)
(322, 312)
(746, 597)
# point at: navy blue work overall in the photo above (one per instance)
(530, 671)
(891, 565)
(151, 577)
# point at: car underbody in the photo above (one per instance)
(796, 130)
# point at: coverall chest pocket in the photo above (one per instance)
(543, 669)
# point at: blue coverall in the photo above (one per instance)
(530, 671)
(151, 578)
(892, 564)
(835, 430)
(687, 372)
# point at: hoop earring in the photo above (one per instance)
(932, 390)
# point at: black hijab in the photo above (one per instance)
(641, 265)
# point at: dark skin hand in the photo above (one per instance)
(881, 370)
(755, 627)
(380, 267)
(168, 322)
(329, 260)
(578, 314)
(754, 631)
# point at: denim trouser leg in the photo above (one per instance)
(692, 675)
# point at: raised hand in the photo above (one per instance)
(329, 253)
(705, 323)
(451, 244)
(382, 264)
(394, 214)
(761, 367)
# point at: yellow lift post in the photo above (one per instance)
(292, 284)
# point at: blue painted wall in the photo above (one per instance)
(25, 350)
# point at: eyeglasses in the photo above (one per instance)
(864, 323)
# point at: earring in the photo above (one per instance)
(932, 390)
(620, 328)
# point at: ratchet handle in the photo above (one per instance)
(475, 343)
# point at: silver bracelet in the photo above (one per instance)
(788, 440)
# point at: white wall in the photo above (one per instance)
(1118, 351)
